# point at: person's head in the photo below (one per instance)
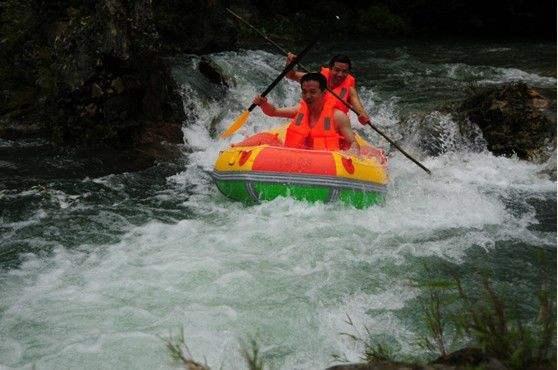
(339, 66)
(313, 86)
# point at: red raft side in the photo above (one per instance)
(296, 161)
(274, 157)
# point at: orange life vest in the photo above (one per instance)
(322, 136)
(342, 90)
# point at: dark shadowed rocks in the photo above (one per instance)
(467, 358)
(94, 74)
(514, 119)
(509, 119)
(213, 72)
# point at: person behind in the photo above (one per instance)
(340, 81)
(317, 122)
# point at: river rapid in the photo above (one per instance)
(94, 270)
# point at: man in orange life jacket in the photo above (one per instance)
(317, 122)
(340, 81)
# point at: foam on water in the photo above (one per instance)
(514, 74)
(286, 272)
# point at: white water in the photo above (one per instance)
(286, 272)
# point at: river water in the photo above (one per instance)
(94, 270)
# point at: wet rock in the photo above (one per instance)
(439, 132)
(382, 365)
(160, 132)
(213, 72)
(470, 357)
(465, 358)
(117, 86)
(491, 364)
(549, 167)
(58, 162)
(514, 119)
(98, 73)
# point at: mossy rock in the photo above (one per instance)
(515, 119)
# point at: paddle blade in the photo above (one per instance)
(238, 123)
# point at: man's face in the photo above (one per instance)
(311, 92)
(339, 72)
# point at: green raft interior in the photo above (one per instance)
(262, 191)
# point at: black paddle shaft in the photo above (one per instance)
(285, 71)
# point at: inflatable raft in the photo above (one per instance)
(261, 168)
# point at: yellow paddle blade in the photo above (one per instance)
(238, 123)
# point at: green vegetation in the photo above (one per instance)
(180, 352)
(251, 353)
(482, 325)
(469, 326)
(435, 342)
(375, 349)
(517, 342)
(481, 318)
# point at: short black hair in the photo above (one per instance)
(315, 76)
(340, 58)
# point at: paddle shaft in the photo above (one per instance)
(285, 71)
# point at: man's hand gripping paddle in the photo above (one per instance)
(241, 120)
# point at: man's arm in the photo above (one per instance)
(292, 74)
(343, 125)
(354, 99)
(272, 111)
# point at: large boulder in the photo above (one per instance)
(438, 132)
(95, 73)
(514, 119)
(115, 87)
(466, 358)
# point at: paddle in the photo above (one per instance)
(334, 94)
(241, 120)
